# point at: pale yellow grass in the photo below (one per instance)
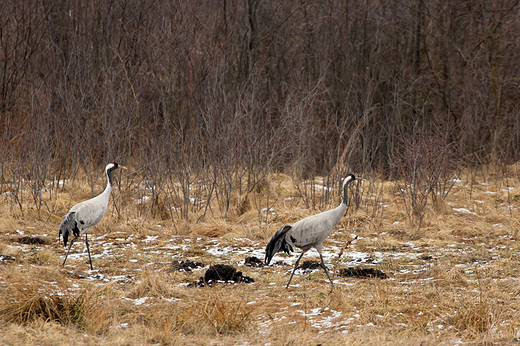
(454, 281)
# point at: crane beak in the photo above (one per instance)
(122, 167)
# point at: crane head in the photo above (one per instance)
(114, 165)
(348, 178)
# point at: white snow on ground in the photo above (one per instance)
(57, 182)
(463, 211)
(323, 319)
(150, 238)
(321, 187)
(143, 199)
(139, 301)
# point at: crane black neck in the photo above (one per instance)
(345, 192)
(109, 174)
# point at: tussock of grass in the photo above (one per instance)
(209, 316)
(455, 280)
(44, 257)
(472, 318)
(151, 284)
(37, 302)
(222, 315)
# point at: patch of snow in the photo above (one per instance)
(321, 187)
(463, 211)
(150, 238)
(139, 301)
(267, 210)
(143, 199)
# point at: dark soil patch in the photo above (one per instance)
(362, 273)
(186, 266)
(221, 273)
(310, 265)
(7, 259)
(31, 240)
(426, 258)
(253, 261)
(280, 263)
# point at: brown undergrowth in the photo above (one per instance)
(453, 281)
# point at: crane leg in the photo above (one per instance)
(295, 266)
(88, 249)
(71, 242)
(325, 268)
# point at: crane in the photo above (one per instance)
(309, 232)
(86, 214)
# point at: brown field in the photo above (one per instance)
(454, 281)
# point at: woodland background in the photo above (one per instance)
(234, 118)
(226, 92)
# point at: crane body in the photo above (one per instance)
(309, 232)
(86, 214)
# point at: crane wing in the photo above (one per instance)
(82, 216)
(69, 226)
(280, 241)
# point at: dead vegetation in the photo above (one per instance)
(237, 117)
(455, 280)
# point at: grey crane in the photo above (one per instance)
(86, 214)
(309, 232)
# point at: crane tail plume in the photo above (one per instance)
(278, 242)
(68, 226)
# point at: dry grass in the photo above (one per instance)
(454, 281)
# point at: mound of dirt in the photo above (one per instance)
(186, 266)
(362, 273)
(31, 240)
(253, 261)
(347, 272)
(280, 263)
(310, 265)
(221, 273)
(426, 258)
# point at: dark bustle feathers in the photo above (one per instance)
(278, 242)
(68, 227)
